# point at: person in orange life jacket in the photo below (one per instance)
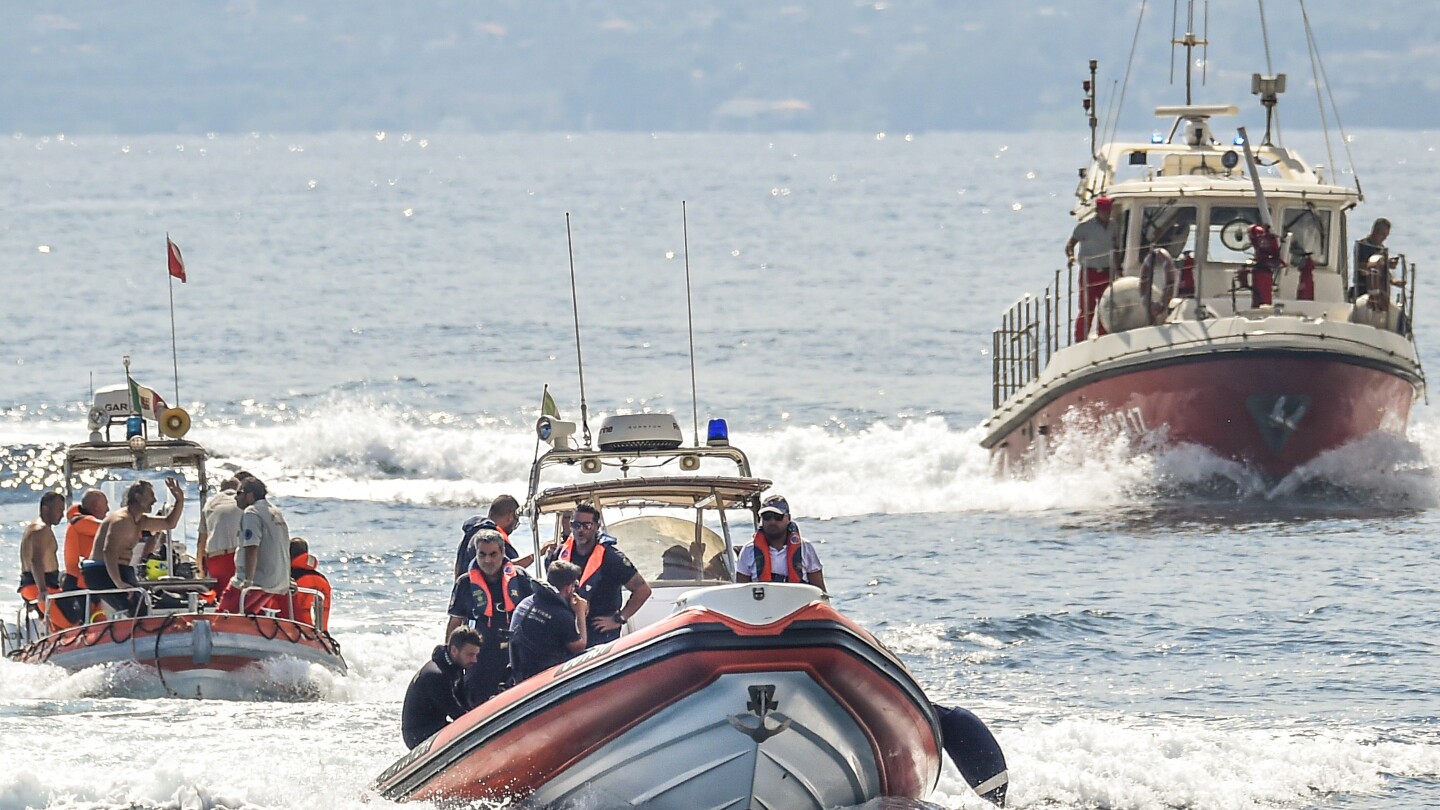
(40, 565)
(502, 516)
(304, 575)
(778, 554)
(436, 695)
(549, 626)
(605, 570)
(485, 599)
(85, 518)
(1098, 238)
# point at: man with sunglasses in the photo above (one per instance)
(605, 572)
(778, 554)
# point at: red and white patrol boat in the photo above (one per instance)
(721, 694)
(1268, 361)
(195, 652)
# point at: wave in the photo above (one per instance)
(355, 449)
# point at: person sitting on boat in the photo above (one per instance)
(550, 626)
(436, 695)
(84, 518)
(502, 516)
(1372, 245)
(120, 531)
(605, 572)
(484, 599)
(40, 565)
(219, 533)
(1098, 238)
(778, 554)
(304, 575)
(261, 560)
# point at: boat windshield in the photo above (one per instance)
(1310, 229)
(666, 550)
(1168, 226)
(1228, 233)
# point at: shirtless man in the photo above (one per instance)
(40, 563)
(109, 564)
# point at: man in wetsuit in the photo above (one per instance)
(120, 531)
(40, 565)
(484, 598)
(436, 695)
(549, 626)
(604, 571)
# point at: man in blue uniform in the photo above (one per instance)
(549, 626)
(484, 598)
(604, 572)
(502, 516)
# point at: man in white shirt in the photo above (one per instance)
(220, 532)
(777, 553)
(262, 560)
(1099, 240)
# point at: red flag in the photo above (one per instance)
(177, 262)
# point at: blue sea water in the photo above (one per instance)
(369, 322)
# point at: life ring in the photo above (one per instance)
(174, 422)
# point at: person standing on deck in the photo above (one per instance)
(1099, 240)
(485, 599)
(605, 571)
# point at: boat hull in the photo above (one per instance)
(1273, 410)
(698, 710)
(199, 655)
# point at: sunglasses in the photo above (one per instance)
(582, 524)
(771, 516)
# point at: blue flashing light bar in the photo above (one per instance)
(134, 426)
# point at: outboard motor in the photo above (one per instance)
(975, 752)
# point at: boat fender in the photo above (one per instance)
(202, 643)
(975, 752)
(1122, 306)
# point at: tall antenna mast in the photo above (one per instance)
(1189, 41)
(690, 324)
(579, 359)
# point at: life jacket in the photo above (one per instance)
(302, 570)
(793, 547)
(480, 591)
(79, 539)
(592, 565)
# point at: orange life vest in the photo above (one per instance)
(592, 565)
(480, 590)
(793, 547)
(302, 570)
(79, 539)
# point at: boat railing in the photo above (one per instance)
(31, 624)
(1031, 330)
(271, 612)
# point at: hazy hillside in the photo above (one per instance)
(901, 65)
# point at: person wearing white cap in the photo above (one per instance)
(778, 554)
(1099, 239)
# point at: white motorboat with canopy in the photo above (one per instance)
(718, 694)
(195, 651)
